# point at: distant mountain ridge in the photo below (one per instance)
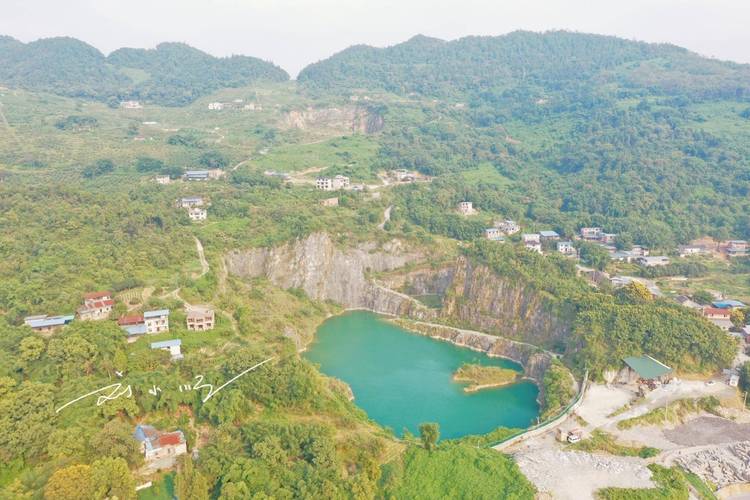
(171, 74)
(435, 67)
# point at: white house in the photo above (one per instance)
(156, 321)
(332, 184)
(215, 106)
(195, 201)
(130, 105)
(655, 261)
(736, 248)
(688, 250)
(465, 208)
(591, 233)
(566, 247)
(162, 179)
(494, 234)
(171, 346)
(508, 226)
(531, 238)
(608, 238)
(197, 214)
(161, 446)
(534, 246)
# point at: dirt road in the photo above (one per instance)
(202, 258)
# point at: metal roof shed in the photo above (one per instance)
(647, 367)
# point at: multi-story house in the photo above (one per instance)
(200, 318)
(96, 306)
(156, 321)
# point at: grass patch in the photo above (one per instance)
(625, 407)
(488, 439)
(674, 413)
(162, 489)
(433, 300)
(605, 442)
(672, 484)
(483, 377)
(455, 470)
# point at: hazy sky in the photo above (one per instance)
(293, 33)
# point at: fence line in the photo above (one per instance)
(546, 425)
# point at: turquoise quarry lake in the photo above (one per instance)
(402, 379)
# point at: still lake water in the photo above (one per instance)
(402, 379)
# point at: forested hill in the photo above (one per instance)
(549, 60)
(172, 74)
(194, 72)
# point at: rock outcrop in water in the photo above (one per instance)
(535, 361)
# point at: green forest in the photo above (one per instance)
(172, 74)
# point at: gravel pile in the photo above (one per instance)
(708, 430)
(722, 465)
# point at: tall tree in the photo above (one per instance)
(429, 433)
(190, 484)
(111, 478)
(70, 483)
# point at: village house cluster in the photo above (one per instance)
(194, 206)
(150, 322)
(99, 306)
(193, 176)
(234, 104)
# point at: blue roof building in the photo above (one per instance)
(157, 321)
(157, 445)
(156, 314)
(728, 304)
(173, 346)
(166, 343)
(48, 323)
(197, 175)
(549, 235)
(135, 330)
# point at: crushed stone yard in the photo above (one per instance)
(576, 475)
(717, 449)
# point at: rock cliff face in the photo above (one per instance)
(327, 272)
(473, 295)
(346, 118)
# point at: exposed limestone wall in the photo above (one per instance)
(327, 272)
(352, 118)
(475, 296)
